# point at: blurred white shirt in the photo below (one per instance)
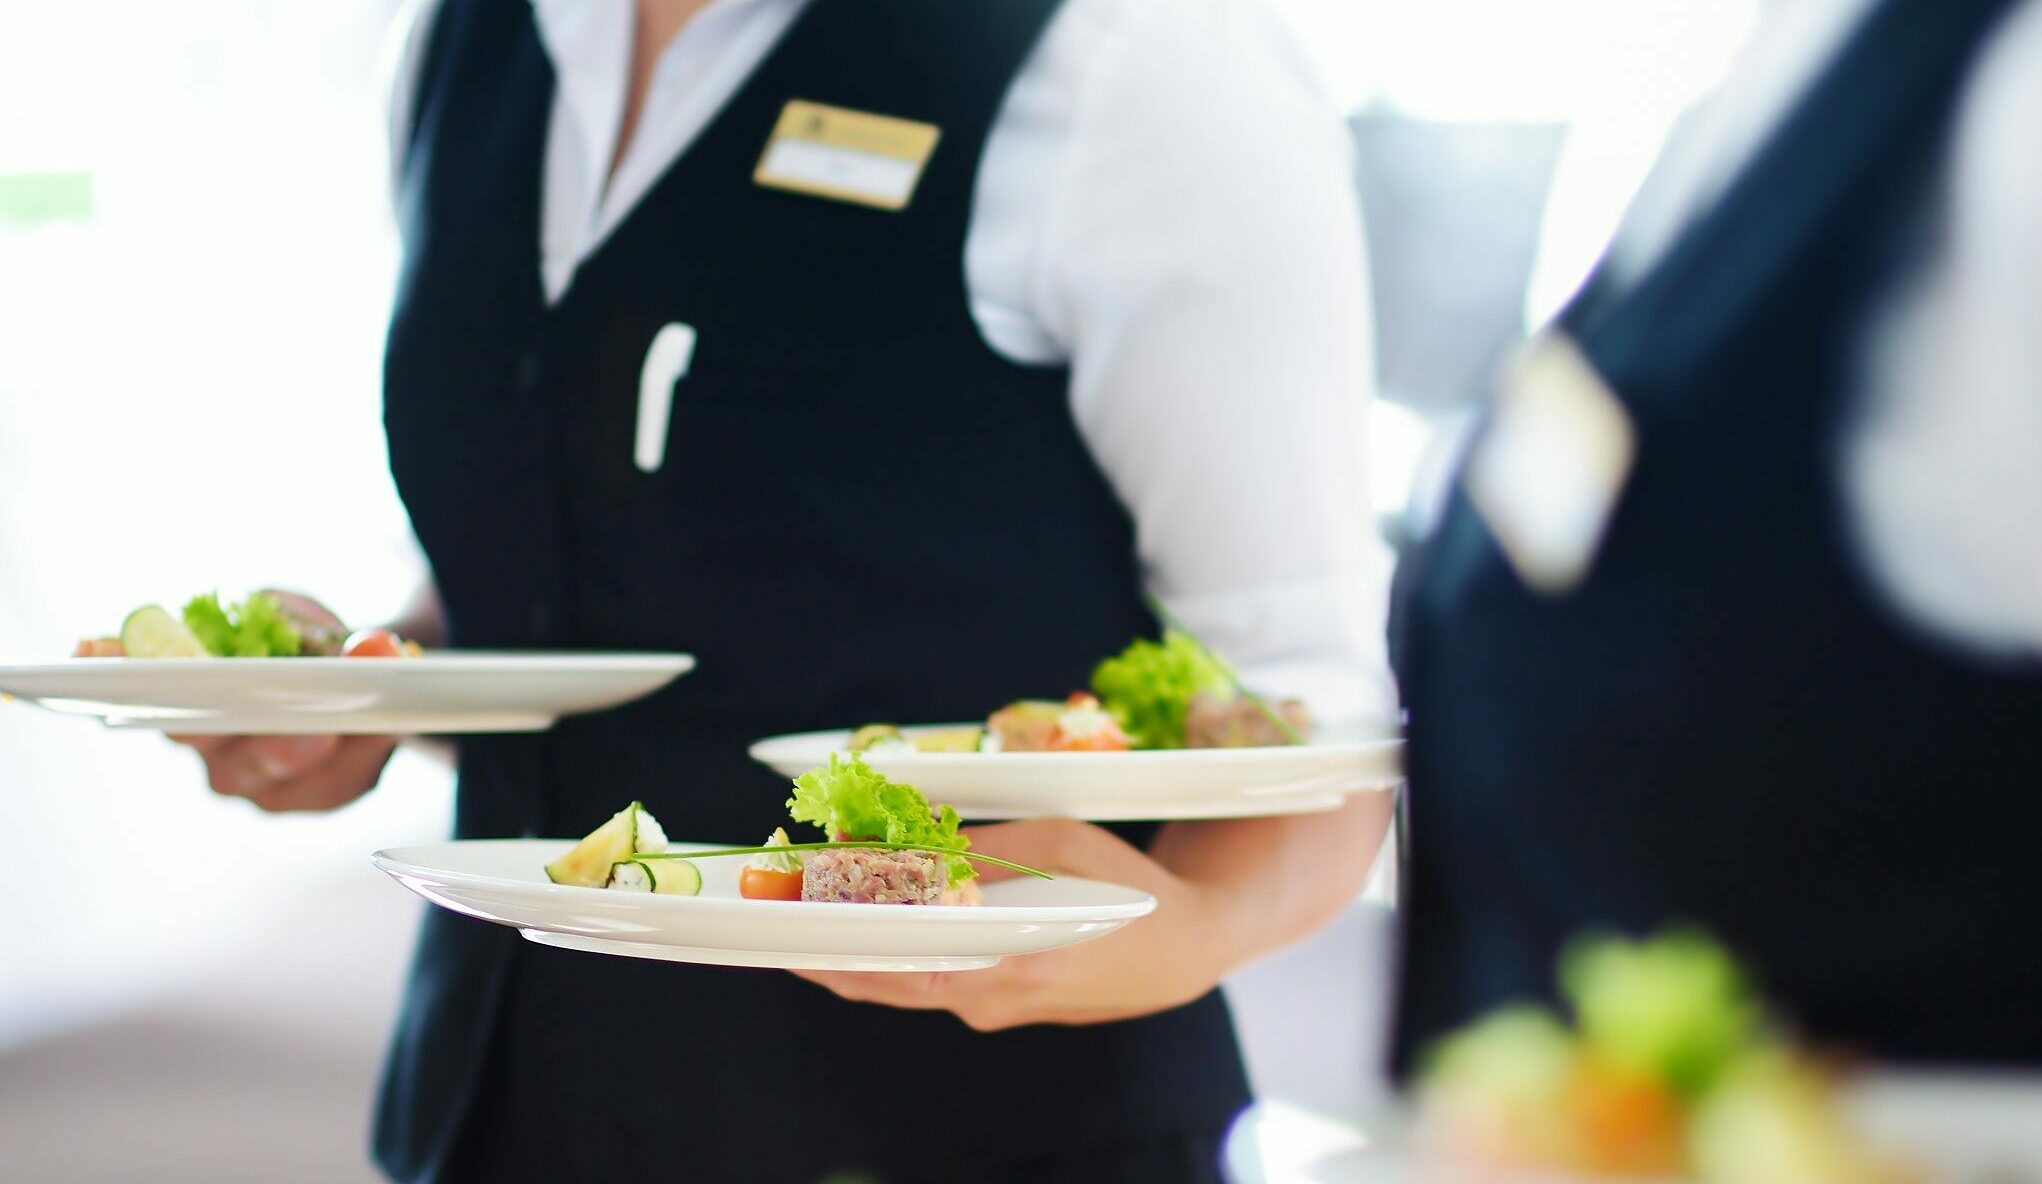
(1167, 203)
(1943, 470)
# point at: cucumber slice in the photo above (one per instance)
(950, 740)
(151, 632)
(872, 734)
(668, 877)
(631, 831)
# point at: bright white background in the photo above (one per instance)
(188, 400)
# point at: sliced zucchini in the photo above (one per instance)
(950, 740)
(1038, 708)
(668, 877)
(151, 632)
(631, 831)
(872, 734)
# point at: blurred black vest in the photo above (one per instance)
(863, 513)
(1724, 723)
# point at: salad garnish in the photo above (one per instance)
(253, 628)
(1671, 1069)
(1149, 687)
(889, 847)
(1169, 693)
(272, 623)
(1171, 626)
(854, 800)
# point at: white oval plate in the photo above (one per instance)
(503, 880)
(442, 691)
(1119, 786)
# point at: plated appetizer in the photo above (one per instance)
(269, 624)
(1670, 1071)
(884, 844)
(1153, 695)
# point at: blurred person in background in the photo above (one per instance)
(929, 442)
(1735, 614)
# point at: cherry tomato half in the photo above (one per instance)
(758, 883)
(373, 643)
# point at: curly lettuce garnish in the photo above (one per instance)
(1149, 685)
(853, 799)
(254, 628)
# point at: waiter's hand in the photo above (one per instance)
(293, 772)
(1168, 958)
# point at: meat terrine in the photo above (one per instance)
(863, 875)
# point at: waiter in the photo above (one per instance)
(1736, 611)
(883, 355)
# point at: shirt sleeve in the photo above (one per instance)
(1202, 262)
(1944, 474)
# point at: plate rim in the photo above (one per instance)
(1157, 756)
(761, 959)
(437, 661)
(387, 861)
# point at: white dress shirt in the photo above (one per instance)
(1943, 468)
(1167, 203)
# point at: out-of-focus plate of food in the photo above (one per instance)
(1162, 784)
(1946, 1126)
(1665, 1067)
(1166, 730)
(280, 662)
(890, 886)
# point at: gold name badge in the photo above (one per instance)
(855, 156)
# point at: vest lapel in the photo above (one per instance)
(1897, 69)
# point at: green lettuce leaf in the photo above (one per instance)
(853, 799)
(1675, 1006)
(1148, 687)
(254, 628)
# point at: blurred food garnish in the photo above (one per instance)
(1670, 1070)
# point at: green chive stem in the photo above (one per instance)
(874, 845)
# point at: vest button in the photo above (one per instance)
(531, 372)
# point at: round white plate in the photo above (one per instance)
(443, 691)
(503, 880)
(1119, 786)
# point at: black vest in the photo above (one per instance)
(1725, 723)
(864, 513)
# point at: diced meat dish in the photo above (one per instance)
(100, 647)
(1027, 726)
(866, 876)
(1213, 722)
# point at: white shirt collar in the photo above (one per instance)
(584, 31)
